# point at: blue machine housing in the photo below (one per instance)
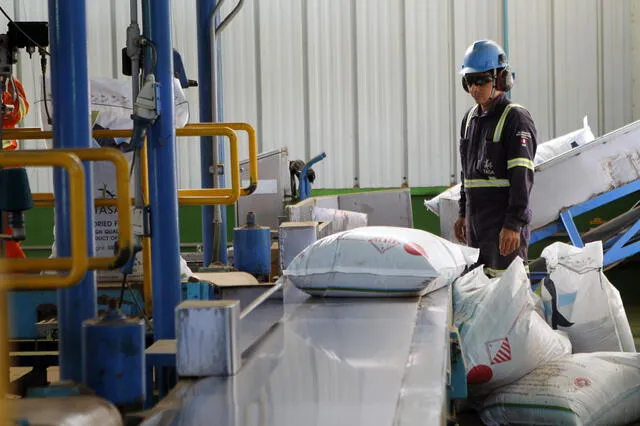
(113, 361)
(252, 248)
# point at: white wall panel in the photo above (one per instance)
(281, 77)
(431, 87)
(616, 65)
(531, 58)
(374, 83)
(331, 96)
(380, 76)
(575, 28)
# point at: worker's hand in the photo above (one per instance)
(509, 241)
(460, 230)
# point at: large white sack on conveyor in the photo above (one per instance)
(596, 389)
(581, 301)
(379, 260)
(502, 336)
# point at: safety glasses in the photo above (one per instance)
(478, 79)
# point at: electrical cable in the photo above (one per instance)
(23, 33)
(144, 42)
(122, 287)
(133, 162)
(43, 66)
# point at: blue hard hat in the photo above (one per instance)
(483, 55)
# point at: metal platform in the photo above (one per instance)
(330, 362)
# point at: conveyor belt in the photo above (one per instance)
(331, 362)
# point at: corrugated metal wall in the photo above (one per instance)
(373, 83)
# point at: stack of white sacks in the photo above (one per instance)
(560, 355)
(564, 356)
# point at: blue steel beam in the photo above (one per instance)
(163, 185)
(210, 107)
(72, 129)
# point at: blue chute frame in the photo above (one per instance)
(619, 235)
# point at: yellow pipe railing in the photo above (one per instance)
(207, 196)
(124, 215)
(78, 263)
(194, 129)
(253, 151)
(121, 164)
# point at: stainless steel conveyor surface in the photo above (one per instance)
(331, 362)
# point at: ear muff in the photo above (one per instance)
(505, 79)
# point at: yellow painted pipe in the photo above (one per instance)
(125, 245)
(253, 150)
(146, 241)
(193, 197)
(78, 263)
(124, 215)
(199, 197)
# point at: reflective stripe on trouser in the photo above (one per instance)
(483, 232)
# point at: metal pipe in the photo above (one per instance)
(135, 60)
(163, 185)
(146, 241)
(505, 31)
(230, 17)
(70, 92)
(205, 9)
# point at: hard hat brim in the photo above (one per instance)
(470, 70)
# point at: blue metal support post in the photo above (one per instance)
(163, 185)
(209, 112)
(71, 129)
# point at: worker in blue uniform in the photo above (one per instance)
(497, 148)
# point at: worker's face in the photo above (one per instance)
(480, 86)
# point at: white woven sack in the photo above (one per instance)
(598, 389)
(379, 260)
(503, 337)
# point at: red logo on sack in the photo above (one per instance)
(479, 374)
(582, 382)
(415, 249)
(499, 350)
(384, 244)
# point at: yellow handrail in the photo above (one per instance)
(189, 130)
(125, 243)
(78, 263)
(204, 196)
(124, 215)
(253, 151)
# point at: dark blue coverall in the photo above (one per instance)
(497, 149)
